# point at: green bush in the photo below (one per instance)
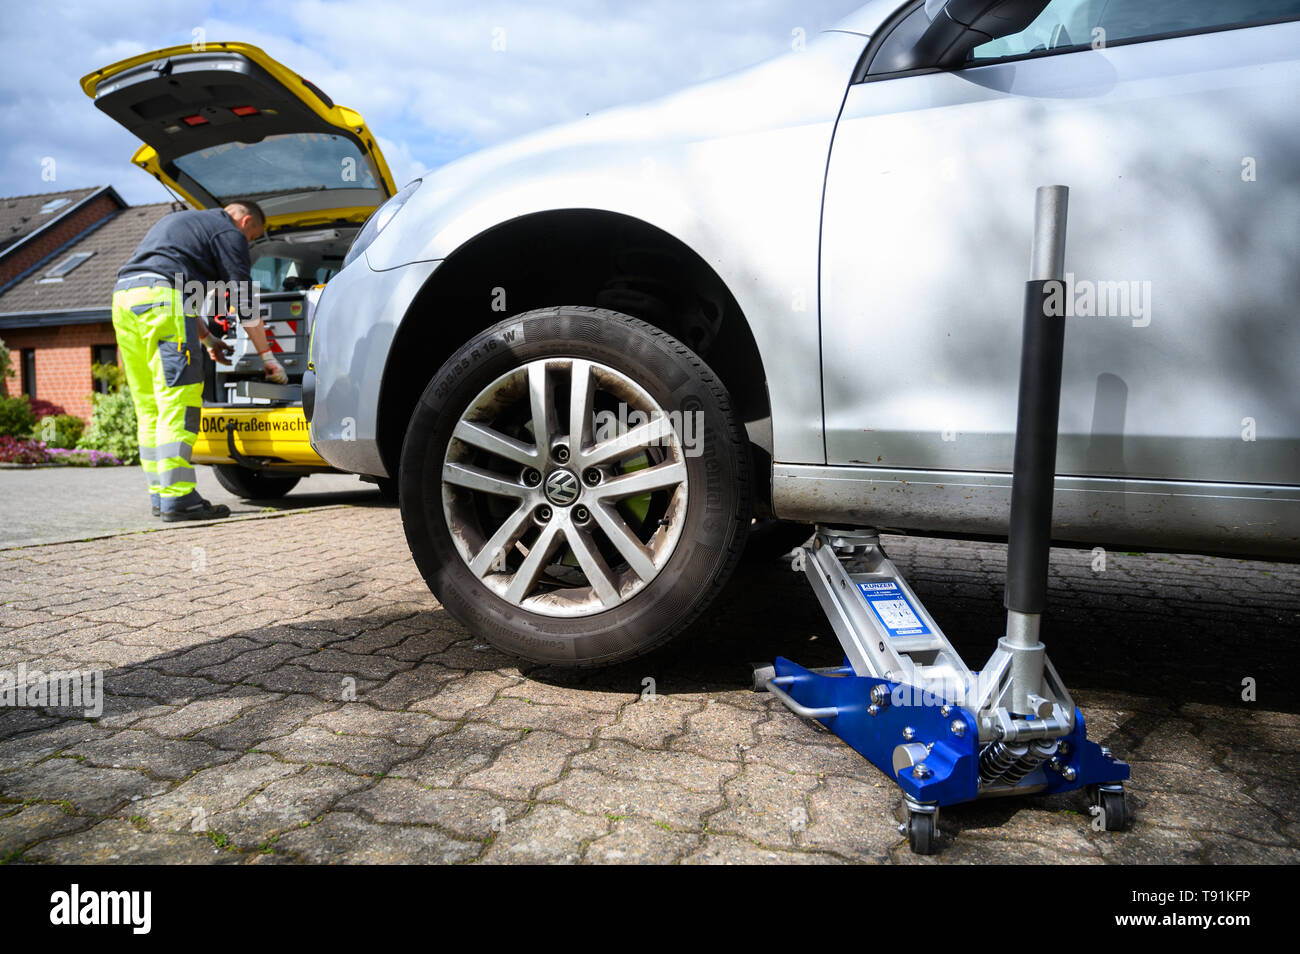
(60, 430)
(113, 376)
(112, 427)
(16, 417)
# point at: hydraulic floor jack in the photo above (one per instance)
(904, 698)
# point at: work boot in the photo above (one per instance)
(201, 510)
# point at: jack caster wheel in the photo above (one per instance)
(1113, 809)
(922, 834)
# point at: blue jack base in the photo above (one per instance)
(931, 748)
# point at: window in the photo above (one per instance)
(56, 273)
(274, 273)
(103, 354)
(29, 372)
(294, 162)
(1077, 24)
(53, 205)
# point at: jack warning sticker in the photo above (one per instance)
(894, 610)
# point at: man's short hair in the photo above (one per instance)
(250, 208)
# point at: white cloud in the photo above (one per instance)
(426, 76)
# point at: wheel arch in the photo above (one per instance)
(575, 257)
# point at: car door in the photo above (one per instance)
(1175, 126)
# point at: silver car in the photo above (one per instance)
(595, 357)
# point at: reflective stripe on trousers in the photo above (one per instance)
(156, 350)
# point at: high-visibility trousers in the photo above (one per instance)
(159, 345)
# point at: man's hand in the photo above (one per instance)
(274, 372)
(218, 350)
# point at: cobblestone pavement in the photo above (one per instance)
(225, 737)
(84, 502)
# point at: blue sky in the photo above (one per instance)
(434, 80)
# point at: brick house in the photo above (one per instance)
(56, 287)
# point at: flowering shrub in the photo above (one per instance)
(81, 458)
(17, 450)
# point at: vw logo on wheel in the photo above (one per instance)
(562, 488)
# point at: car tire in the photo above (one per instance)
(253, 485)
(556, 588)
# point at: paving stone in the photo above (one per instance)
(404, 728)
(25, 826)
(852, 817)
(355, 665)
(819, 755)
(203, 656)
(205, 713)
(87, 789)
(283, 804)
(550, 694)
(364, 755)
(684, 769)
(614, 798)
(32, 747)
(1238, 817)
(116, 842)
(514, 713)
(730, 850)
(253, 665)
(344, 838)
(17, 721)
(449, 758)
(264, 722)
(459, 696)
(519, 767)
(413, 688)
(635, 841)
(549, 834)
(454, 652)
(158, 687)
(651, 724)
(159, 757)
(765, 806)
(188, 806)
(441, 748)
(468, 814)
(720, 731)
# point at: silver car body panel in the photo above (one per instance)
(352, 331)
(1196, 517)
(914, 316)
(733, 168)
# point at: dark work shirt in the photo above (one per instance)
(203, 246)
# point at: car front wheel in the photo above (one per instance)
(575, 486)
